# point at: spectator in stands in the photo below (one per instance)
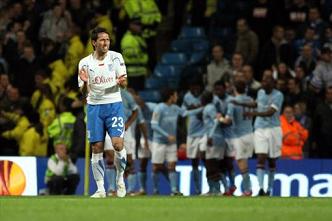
(322, 75)
(300, 76)
(309, 38)
(294, 93)
(322, 124)
(133, 48)
(252, 84)
(34, 140)
(61, 175)
(25, 69)
(61, 128)
(302, 116)
(282, 71)
(297, 14)
(277, 50)
(246, 42)
(315, 21)
(261, 19)
(327, 40)
(281, 85)
(306, 60)
(3, 62)
(4, 87)
(75, 50)
(293, 135)
(237, 63)
(218, 67)
(56, 22)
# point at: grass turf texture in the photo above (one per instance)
(61, 208)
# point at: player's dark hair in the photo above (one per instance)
(220, 83)
(96, 31)
(206, 98)
(166, 93)
(240, 86)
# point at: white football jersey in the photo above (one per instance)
(102, 77)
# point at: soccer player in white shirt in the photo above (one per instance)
(101, 74)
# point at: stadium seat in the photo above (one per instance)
(150, 95)
(165, 71)
(192, 32)
(153, 83)
(181, 45)
(174, 58)
(201, 45)
(198, 57)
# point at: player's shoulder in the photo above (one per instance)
(114, 55)
(277, 93)
(85, 59)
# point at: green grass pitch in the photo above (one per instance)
(62, 208)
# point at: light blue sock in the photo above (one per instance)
(224, 181)
(173, 178)
(155, 178)
(270, 181)
(246, 184)
(131, 179)
(196, 181)
(260, 176)
(98, 170)
(110, 176)
(142, 180)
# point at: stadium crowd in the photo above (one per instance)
(42, 110)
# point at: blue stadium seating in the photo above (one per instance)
(150, 95)
(181, 45)
(174, 58)
(153, 83)
(198, 57)
(164, 71)
(192, 32)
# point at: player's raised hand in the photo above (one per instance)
(122, 81)
(83, 74)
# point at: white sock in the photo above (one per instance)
(98, 170)
(120, 160)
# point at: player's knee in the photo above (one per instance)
(118, 146)
(97, 147)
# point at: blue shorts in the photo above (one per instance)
(105, 117)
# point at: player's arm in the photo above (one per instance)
(252, 104)
(131, 119)
(227, 119)
(83, 79)
(268, 113)
(120, 70)
(144, 130)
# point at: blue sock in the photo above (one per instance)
(142, 180)
(224, 181)
(246, 184)
(196, 181)
(111, 175)
(173, 178)
(260, 176)
(231, 174)
(270, 181)
(155, 178)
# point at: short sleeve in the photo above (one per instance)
(81, 65)
(119, 65)
(277, 100)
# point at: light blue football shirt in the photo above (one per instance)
(210, 124)
(264, 102)
(195, 125)
(241, 125)
(129, 104)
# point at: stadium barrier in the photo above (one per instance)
(304, 178)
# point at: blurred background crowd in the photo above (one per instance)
(164, 43)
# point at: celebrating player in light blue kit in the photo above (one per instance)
(164, 125)
(215, 144)
(101, 74)
(222, 101)
(196, 141)
(242, 133)
(268, 134)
